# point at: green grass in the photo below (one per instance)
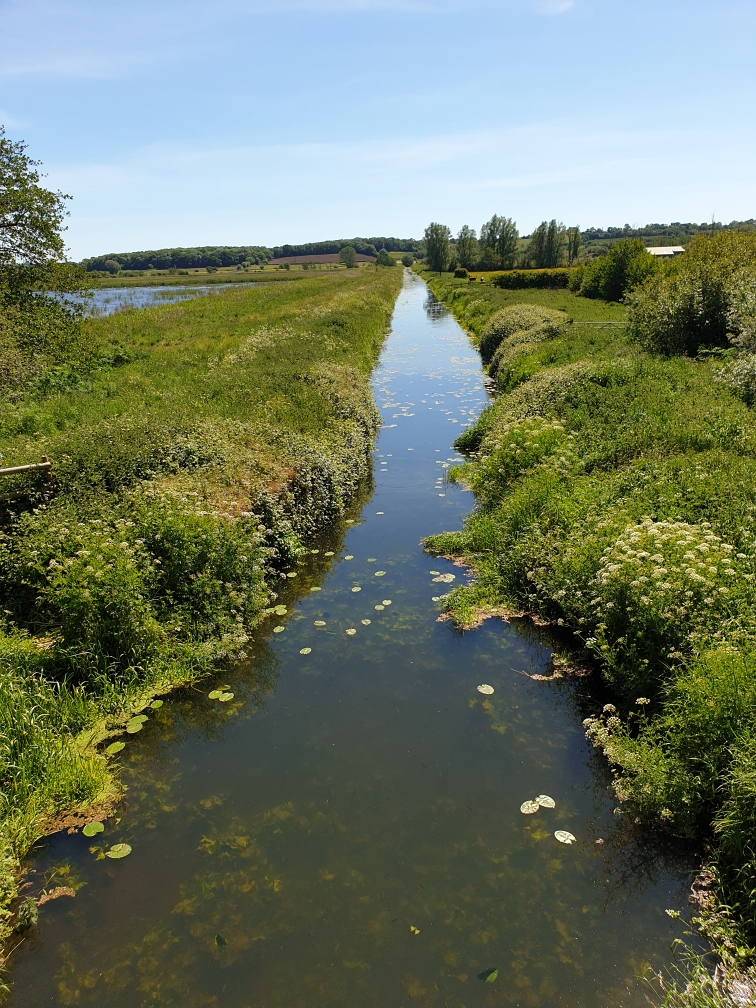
(616, 497)
(195, 448)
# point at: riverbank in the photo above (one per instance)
(195, 448)
(199, 278)
(615, 498)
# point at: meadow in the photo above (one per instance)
(195, 448)
(616, 498)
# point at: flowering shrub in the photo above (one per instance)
(507, 321)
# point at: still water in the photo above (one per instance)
(347, 830)
(108, 300)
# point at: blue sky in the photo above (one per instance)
(183, 122)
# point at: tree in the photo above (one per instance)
(573, 244)
(35, 332)
(384, 259)
(112, 265)
(546, 244)
(625, 266)
(407, 259)
(507, 242)
(489, 232)
(348, 256)
(467, 247)
(489, 260)
(437, 247)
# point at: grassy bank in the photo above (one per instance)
(195, 447)
(616, 497)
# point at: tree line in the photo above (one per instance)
(500, 247)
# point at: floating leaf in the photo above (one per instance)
(133, 727)
(316, 551)
(351, 632)
(220, 941)
(379, 512)
(328, 553)
(225, 697)
(529, 807)
(379, 573)
(115, 747)
(371, 559)
(350, 557)
(305, 650)
(139, 717)
(380, 607)
(118, 850)
(278, 629)
(280, 610)
(434, 572)
(356, 589)
(414, 930)
(319, 622)
(485, 688)
(292, 574)
(93, 828)
(156, 703)
(215, 694)
(489, 975)
(315, 588)
(545, 802)
(564, 837)
(365, 622)
(446, 578)
(436, 598)
(387, 601)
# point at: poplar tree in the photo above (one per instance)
(467, 247)
(507, 242)
(573, 244)
(437, 247)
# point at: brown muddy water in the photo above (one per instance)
(347, 830)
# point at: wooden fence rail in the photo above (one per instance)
(45, 465)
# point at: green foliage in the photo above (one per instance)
(508, 321)
(626, 265)
(699, 300)
(466, 248)
(384, 259)
(546, 244)
(500, 235)
(437, 247)
(488, 260)
(544, 279)
(408, 259)
(616, 497)
(348, 256)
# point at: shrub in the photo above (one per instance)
(680, 313)
(518, 343)
(625, 266)
(507, 321)
(740, 377)
(460, 272)
(537, 279)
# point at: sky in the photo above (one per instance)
(259, 122)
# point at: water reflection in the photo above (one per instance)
(109, 300)
(346, 831)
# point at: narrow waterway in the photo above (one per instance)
(347, 830)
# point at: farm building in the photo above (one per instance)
(665, 251)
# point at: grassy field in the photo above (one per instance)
(616, 497)
(222, 275)
(195, 448)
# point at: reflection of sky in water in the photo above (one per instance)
(108, 300)
(286, 844)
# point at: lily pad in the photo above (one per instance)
(156, 703)
(315, 588)
(564, 837)
(133, 727)
(280, 610)
(225, 697)
(314, 551)
(488, 975)
(292, 574)
(485, 688)
(93, 828)
(529, 807)
(436, 598)
(434, 572)
(380, 607)
(139, 717)
(305, 650)
(319, 622)
(387, 601)
(118, 850)
(446, 578)
(351, 632)
(328, 553)
(371, 559)
(356, 589)
(380, 573)
(545, 802)
(115, 747)
(220, 941)
(278, 629)
(365, 622)
(215, 694)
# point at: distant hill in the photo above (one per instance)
(676, 233)
(235, 255)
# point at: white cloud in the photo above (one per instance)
(554, 7)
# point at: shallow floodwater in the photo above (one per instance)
(347, 830)
(109, 300)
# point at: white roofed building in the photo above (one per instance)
(665, 251)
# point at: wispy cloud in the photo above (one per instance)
(554, 7)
